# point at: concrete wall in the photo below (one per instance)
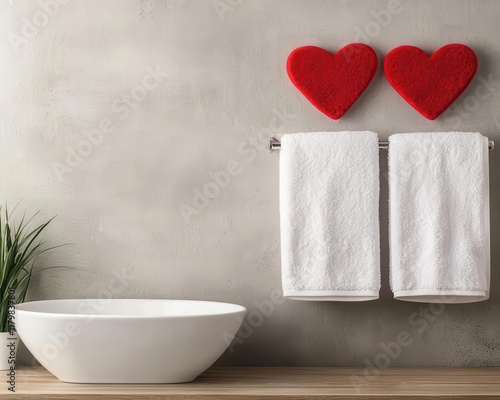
(160, 97)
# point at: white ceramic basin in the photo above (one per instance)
(127, 341)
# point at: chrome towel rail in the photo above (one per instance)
(275, 144)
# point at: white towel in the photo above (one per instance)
(329, 191)
(439, 217)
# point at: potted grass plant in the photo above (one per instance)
(20, 246)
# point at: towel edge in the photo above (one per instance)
(441, 296)
(331, 295)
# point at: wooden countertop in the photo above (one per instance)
(232, 383)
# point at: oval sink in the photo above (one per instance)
(127, 341)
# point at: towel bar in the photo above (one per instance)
(275, 144)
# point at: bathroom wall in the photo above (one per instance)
(118, 115)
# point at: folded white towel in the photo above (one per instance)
(329, 192)
(439, 217)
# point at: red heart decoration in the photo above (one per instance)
(332, 82)
(430, 84)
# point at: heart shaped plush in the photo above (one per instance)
(430, 84)
(332, 82)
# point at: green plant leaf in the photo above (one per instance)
(20, 246)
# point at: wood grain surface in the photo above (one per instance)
(278, 383)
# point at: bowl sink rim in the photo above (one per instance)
(233, 309)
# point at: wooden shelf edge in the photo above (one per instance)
(266, 383)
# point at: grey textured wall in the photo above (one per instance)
(159, 97)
